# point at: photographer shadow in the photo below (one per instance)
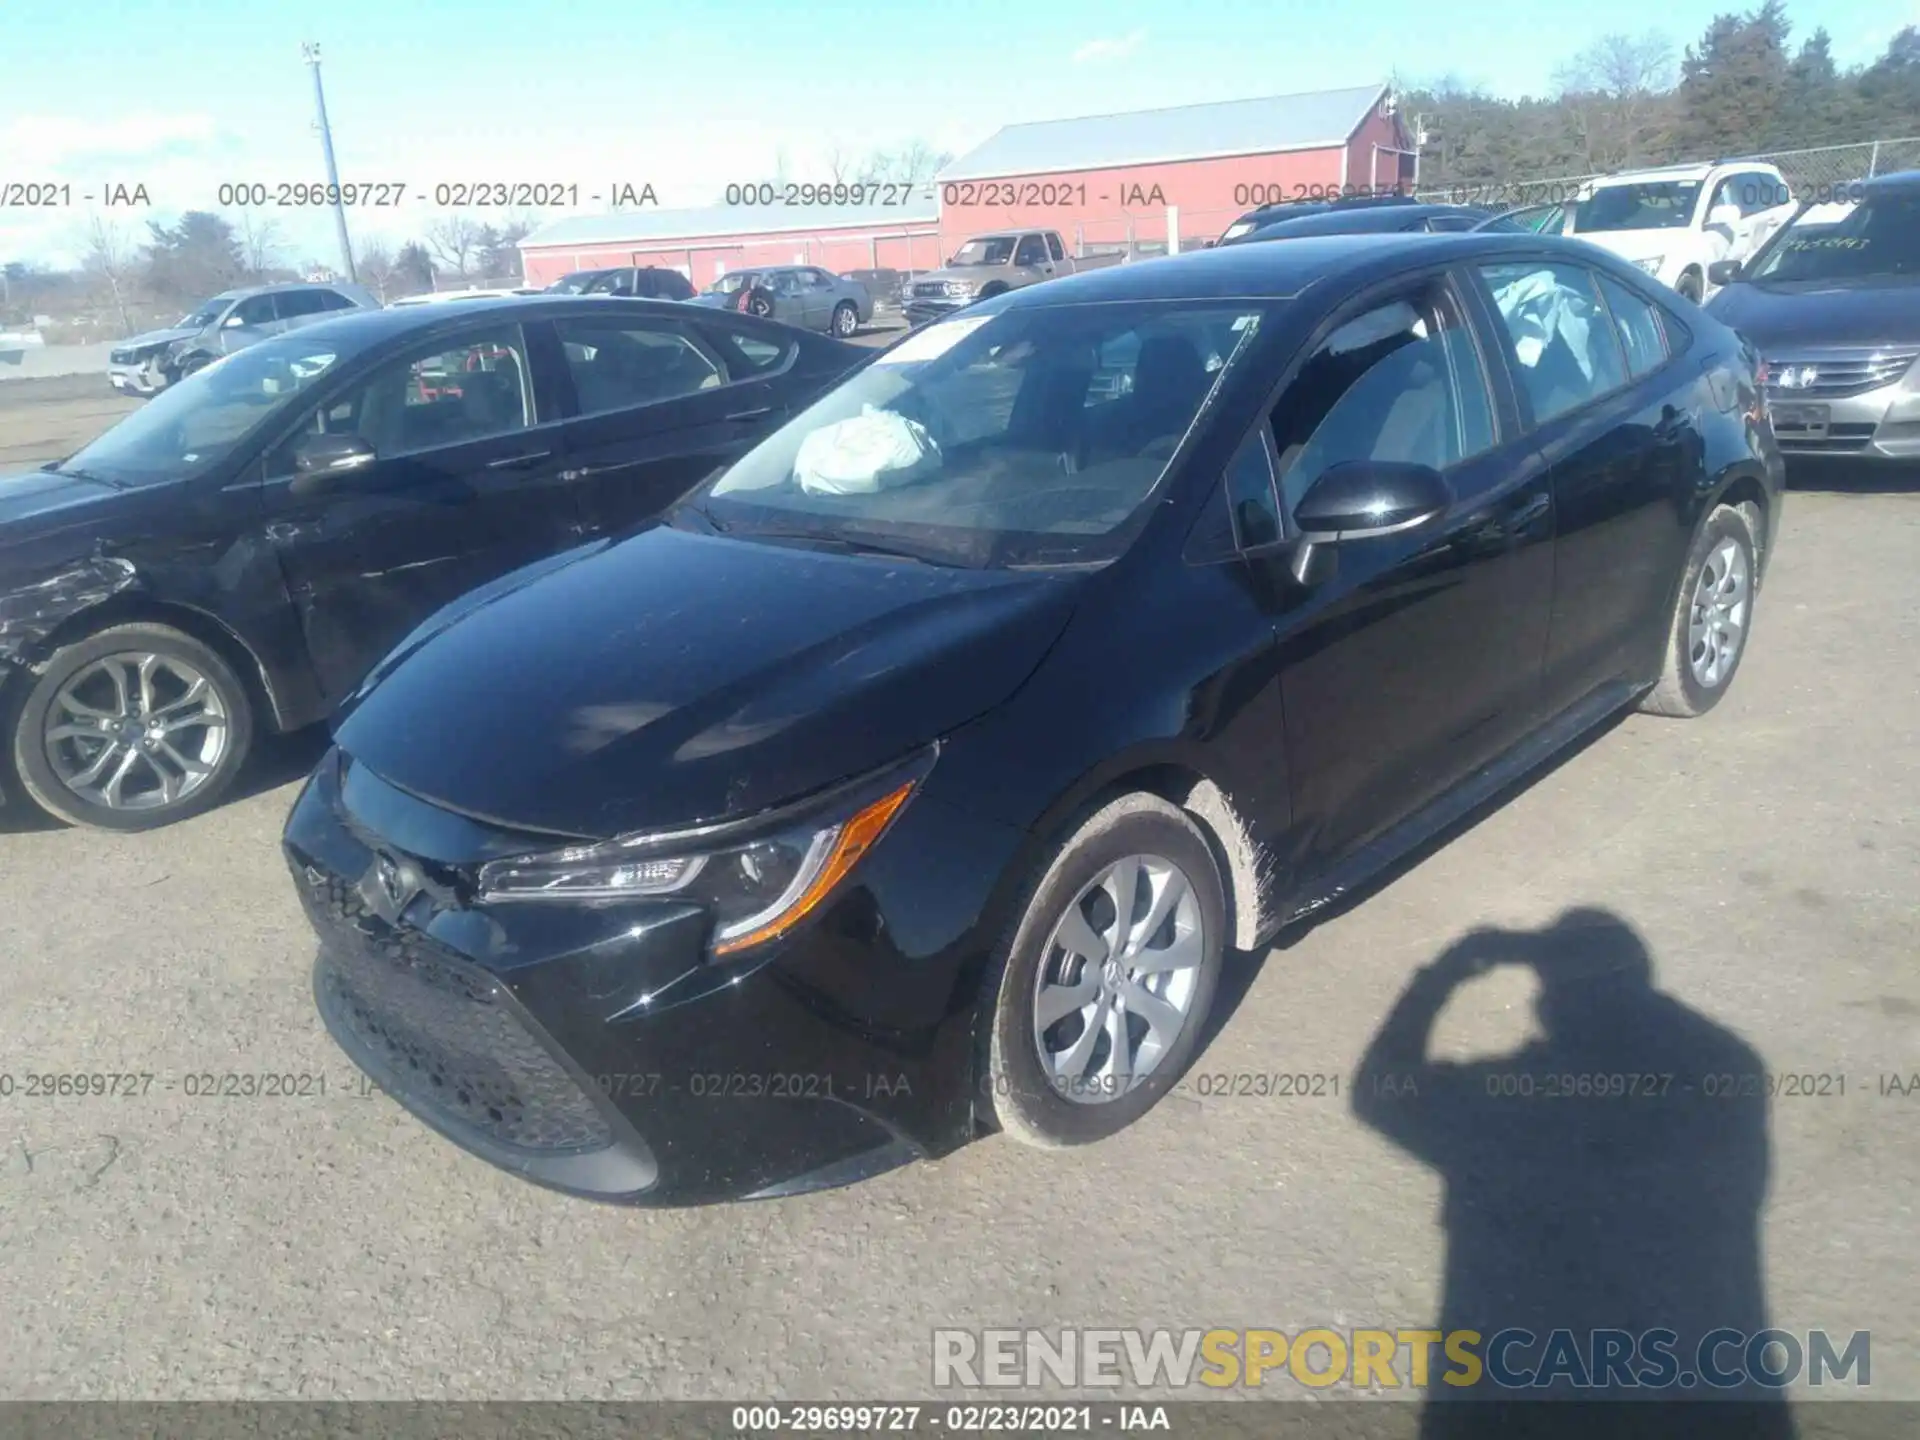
(1608, 1175)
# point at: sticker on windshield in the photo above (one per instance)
(932, 342)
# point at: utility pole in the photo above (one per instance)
(310, 51)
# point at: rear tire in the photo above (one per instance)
(846, 319)
(55, 752)
(1712, 616)
(1052, 1071)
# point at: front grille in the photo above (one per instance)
(935, 291)
(441, 1029)
(1839, 439)
(1835, 376)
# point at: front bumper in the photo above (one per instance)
(920, 309)
(597, 1050)
(141, 377)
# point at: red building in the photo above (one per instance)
(1178, 176)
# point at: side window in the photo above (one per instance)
(1759, 191)
(1053, 246)
(1030, 252)
(1565, 351)
(618, 364)
(334, 300)
(1400, 382)
(1451, 222)
(292, 304)
(472, 389)
(1250, 493)
(254, 310)
(746, 354)
(1639, 326)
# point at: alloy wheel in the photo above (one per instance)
(136, 731)
(1118, 979)
(1717, 621)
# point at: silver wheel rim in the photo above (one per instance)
(1717, 622)
(1117, 979)
(136, 731)
(844, 321)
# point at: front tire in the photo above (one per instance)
(1691, 286)
(1712, 616)
(1101, 993)
(131, 728)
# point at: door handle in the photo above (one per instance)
(751, 414)
(520, 462)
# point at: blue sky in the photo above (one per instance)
(182, 94)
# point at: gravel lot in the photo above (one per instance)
(170, 1247)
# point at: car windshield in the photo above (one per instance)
(573, 284)
(1643, 205)
(1032, 436)
(1879, 237)
(191, 427)
(203, 317)
(992, 250)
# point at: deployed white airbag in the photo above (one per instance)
(874, 450)
(1536, 307)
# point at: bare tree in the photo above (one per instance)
(454, 241)
(840, 168)
(911, 165)
(377, 269)
(107, 260)
(261, 243)
(1617, 94)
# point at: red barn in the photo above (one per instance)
(1111, 178)
(1149, 176)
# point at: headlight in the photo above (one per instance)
(1652, 265)
(960, 288)
(757, 886)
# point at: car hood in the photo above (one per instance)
(39, 494)
(154, 337)
(1821, 312)
(675, 679)
(1642, 244)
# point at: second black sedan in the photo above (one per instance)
(922, 773)
(241, 550)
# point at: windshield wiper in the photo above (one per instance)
(843, 545)
(112, 484)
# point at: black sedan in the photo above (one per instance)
(920, 774)
(240, 551)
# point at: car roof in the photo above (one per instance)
(1279, 272)
(1901, 180)
(377, 325)
(1357, 222)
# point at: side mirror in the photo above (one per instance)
(1723, 272)
(1724, 215)
(1363, 499)
(319, 460)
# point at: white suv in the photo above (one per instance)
(1675, 222)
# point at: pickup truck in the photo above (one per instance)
(989, 265)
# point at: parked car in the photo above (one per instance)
(1674, 223)
(238, 552)
(917, 775)
(802, 295)
(1833, 303)
(1376, 220)
(444, 297)
(1299, 209)
(230, 321)
(638, 282)
(990, 265)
